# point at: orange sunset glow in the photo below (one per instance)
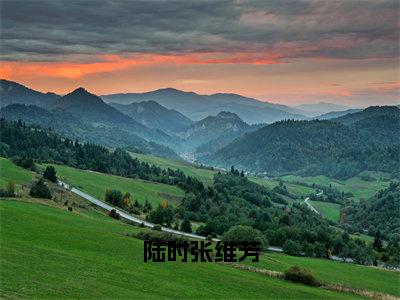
(258, 52)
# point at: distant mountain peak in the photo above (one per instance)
(228, 115)
(80, 91)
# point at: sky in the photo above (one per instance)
(289, 52)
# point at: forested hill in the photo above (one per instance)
(372, 111)
(73, 128)
(310, 148)
(379, 215)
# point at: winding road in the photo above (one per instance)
(124, 214)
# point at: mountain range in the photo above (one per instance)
(197, 107)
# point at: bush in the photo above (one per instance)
(292, 248)
(114, 197)
(69, 208)
(242, 233)
(50, 174)
(157, 227)
(296, 274)
(186, 226)
(10, 191)
(40, 190)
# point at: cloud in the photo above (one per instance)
(251, 32)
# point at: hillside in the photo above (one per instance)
(197, 107)
(86, 255)
(15, 93)
(214, 132)
(70, 126)
(154, 115)
(372, 111)
(335, 114)
(379, 214)
(311, 147)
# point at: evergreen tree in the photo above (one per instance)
(50, 174)
(40, 190)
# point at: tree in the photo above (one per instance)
(378, 242)
(308, 249)
(292, 248)
(114, 197)
(186, 226)
(319, 249)
(11, 188)
(243, 233)
(50, 174)
(127, 200)
(40, 190)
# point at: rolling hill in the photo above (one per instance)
(314, 109)
(309, 148)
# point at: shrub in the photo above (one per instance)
(114, 197)
(69, 208)
(186, 226)
(10, 191)
(296, 274)
(50, 174)
(292, 248)
(242, 233)
(40, 190)
(157, 227)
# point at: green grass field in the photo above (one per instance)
(49, 252)
(95, 184)
(294, 189)
(329, 210)
(351, 275)
(355, 185)
(9, 171)
(188, 168)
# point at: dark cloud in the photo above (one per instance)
(52, 30)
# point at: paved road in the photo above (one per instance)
(310, 206)
(125, 215)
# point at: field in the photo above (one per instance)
(329, 210)
(95, 184)
(189, 169)
(49, 252)
(294, 189)
(10, 171)
(358, 187)
(351, 275)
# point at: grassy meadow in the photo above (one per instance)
(189, 169)
(329, 210)
(95, 184)
(10, 172)
(361, 189)
(328, 271)
(48, 252)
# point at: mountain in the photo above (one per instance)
(15, 93)
(314, 109)
(154, 115)
(336, 114)
(214, 132)
(197, 107)
(381, 123)
(90, 108)
(309, 148)
(372, 111)
(73, 128)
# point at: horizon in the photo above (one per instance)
(285, 53)
(179, 90)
